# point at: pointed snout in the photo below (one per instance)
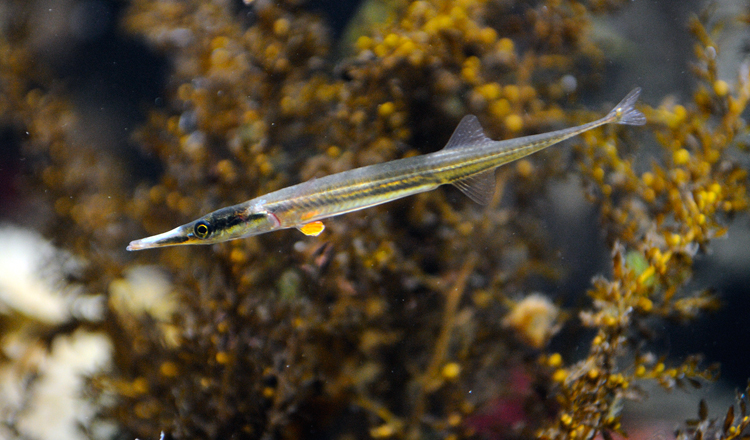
(170, 238)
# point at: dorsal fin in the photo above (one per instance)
(479, 187)
(468, 132)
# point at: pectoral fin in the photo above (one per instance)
(313, 228)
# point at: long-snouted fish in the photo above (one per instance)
(468, 162)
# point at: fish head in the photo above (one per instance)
(221, 225)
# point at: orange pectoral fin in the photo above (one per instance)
(314, 228)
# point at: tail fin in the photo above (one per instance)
(625, 112)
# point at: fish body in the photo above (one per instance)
(468, 161)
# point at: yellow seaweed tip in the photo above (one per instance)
(451, 370)
(681, 156)
(514, 122)
(555, 360)
(721, 88)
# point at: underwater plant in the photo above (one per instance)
(426, 317)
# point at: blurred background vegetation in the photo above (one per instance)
(592, 280)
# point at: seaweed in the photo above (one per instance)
(404, 320)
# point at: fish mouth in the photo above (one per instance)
(170, 238)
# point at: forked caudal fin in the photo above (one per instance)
(625, 112)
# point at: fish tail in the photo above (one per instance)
(625, 112)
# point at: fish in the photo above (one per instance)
(468, 162)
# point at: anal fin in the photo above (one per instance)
(312, 229)
(479, 187)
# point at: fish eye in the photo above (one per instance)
(202, 229)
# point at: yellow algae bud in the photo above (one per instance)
(560, 375)
(555, 360)
(406, 48)
(649, 195)
(238, 256)
(505, 45)
(681, 156)
(438, 23)
(220, 57)
(157, 194)
(647, 178)
(735, 106)
(382, 431)
(593, 374)
(645, 304)
(451, 370)
(416, 57)
(640, 370)
(219, 42)
(168, 369)
(487, 35)
(375, 308)
(268, 392)
(470, 69)
(222, 327)
(391, 40)
(524, 167)
(514, 122)
(333, 151)
(679, 176)
(512, 92)
(458, 14)
(454, 419)
(673, 239)
(598, 174)
(482, 298)
(715, 187)
(386, 109)
(287, 105)
(489, 91)
(721, 88)
(418, 8)
(281, 65)
(711, 197)
(527, 93)
(465, 228)
(226, 170)
(364, 42)
(679, 112)
(566, 419)
(265, 168)
(272, 51)
(184, 92)
(222, 357)
(500, 108)
(281, 27)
